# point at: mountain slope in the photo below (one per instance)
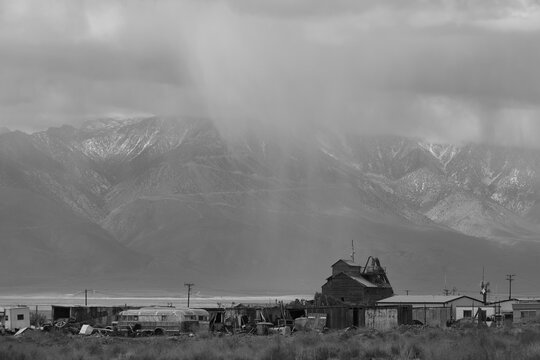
(42, 240)
(162, 200)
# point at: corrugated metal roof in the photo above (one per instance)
(164, 311)
(3, 309)
(348, 262)
(362, 281)
(523, 300)
(420, 299)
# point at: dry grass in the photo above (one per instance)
(404, 343)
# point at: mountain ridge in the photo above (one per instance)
(179, 194)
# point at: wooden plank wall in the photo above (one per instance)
(436, 317)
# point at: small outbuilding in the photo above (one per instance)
(434, 310)
(100, 316)
(482, 313)
(526, 310)
(504, 313)
(15, 318)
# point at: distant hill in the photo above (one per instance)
(152, 202)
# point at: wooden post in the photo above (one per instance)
(510, 278)
(189, 285)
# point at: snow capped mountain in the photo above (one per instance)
(178, 193)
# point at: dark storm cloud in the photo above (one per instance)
(447, 69)
(64, 61)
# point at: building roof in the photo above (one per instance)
(422, 299)
(348, 262)
(4, 308)
(164, 311)
(525, 300)
(362, 281)
(357, 277)
(503, 301)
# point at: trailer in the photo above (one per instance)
(162, 320)
(15, 317)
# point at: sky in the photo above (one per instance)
(446, 70)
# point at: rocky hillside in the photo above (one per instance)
(156, 201)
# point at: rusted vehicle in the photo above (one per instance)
(162, 321)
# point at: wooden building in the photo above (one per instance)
(435, 310)
(384, 318)
(93, 315)
(380, 317)
(526, 310)
(504, 312)
(352, 283)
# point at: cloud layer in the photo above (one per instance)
(447, 70)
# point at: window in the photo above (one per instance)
(528, 314)
(20, 316)
(6, 318)
(467, 313)
(163, 317)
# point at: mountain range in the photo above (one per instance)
(153, 202)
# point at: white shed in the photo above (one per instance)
(15, 318)
(469, 312)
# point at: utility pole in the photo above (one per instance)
(85, 297)
(445, 290)
(352, 254)
(510, 278)
(484, 288)
(189, 285)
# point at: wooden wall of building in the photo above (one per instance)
(92, 315)
(432, 316)
(525, 312)
(342, 266)
(346, 289)
(388, 317)
(381, 318)
(341, 317)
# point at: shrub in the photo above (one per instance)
(455, 344)
(37, 319)
(527, 337)
(376, 352)
(279, 350)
